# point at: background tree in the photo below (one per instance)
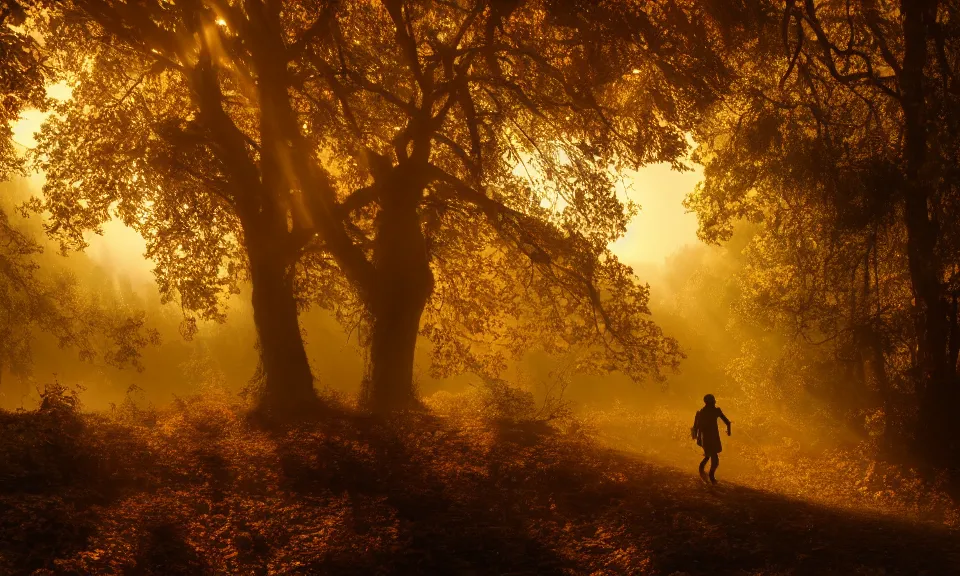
(847, 145)
(380, 156)
(31, 298)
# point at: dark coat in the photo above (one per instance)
(706, 430)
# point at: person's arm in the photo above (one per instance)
(696, 425)
(725, 421)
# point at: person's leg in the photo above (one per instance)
(714, 462)
(703, 464)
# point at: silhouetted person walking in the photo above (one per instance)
(707, 434)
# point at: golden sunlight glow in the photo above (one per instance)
(663, 225)
(119, 249)
(221, 22)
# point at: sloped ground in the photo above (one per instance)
(196, 490)
(787, 456)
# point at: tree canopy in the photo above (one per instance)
(448, 169)
(21, 81)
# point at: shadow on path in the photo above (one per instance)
(693, 528)
(449, 523)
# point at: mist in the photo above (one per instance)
(695, 296)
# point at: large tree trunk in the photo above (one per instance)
(405, 283)
(288, 386)
(261, 189)
(953, 347)
(390, 385)
(937, 393)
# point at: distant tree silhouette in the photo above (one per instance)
(435, 168)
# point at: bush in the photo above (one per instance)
(495, 400)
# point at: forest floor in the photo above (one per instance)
(196, 489)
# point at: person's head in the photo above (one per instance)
(709, 400)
